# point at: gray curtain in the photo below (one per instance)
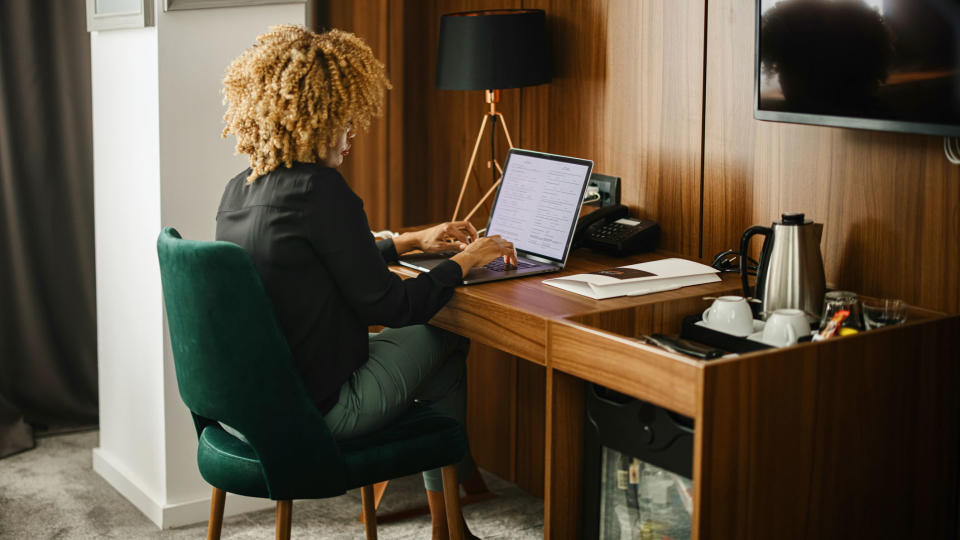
(48, 362)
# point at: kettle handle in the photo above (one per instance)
(744, 246)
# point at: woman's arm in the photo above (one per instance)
(453, 235)
(337, 228)
(474, 252)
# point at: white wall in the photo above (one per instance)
(127, 213)
(158, 161)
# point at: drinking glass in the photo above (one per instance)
(835, 301)
(883, 312)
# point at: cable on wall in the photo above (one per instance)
(951, 147)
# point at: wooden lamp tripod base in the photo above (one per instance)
(493, 97)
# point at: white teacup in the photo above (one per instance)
(731, 315)
(785, 326)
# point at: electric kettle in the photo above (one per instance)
(790, 272)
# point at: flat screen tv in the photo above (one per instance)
(888, 65)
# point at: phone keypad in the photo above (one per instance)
(613, 232)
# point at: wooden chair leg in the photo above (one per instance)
(451, 499)
(284, 515)
(216, 514)
(378, 491)
(369, 512)
(479, 492)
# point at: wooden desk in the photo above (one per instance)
(853, 437)
(512, 315)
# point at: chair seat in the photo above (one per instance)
(418, 440)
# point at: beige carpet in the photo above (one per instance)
(52, 492)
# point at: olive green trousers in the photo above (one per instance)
(416, 363)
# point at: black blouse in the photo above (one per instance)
(328, 280)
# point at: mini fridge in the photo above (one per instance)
(638, 459)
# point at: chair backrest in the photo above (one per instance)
(234, 366)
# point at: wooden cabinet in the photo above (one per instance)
(854, 437)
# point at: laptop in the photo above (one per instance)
(536, 208)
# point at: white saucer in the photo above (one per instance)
(757, 328)
(758, 337)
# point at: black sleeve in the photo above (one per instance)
(338, 230)
(388, 250)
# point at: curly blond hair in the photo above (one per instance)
(291, 95)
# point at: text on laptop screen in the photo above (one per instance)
(537, 203)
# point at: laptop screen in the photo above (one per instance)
(539, 201)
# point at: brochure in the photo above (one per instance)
(637, 279)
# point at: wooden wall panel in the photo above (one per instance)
(396, 113)
(492, 409)
(367, 167)
(627, 93)
(888, 201)
(441, 125)
(531, 410)
(409, 167)
(506, 404)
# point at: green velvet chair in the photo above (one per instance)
(233, 366)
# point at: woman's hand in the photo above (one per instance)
(485, 250)
(450, 236)
(446, 236)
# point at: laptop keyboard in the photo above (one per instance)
(497, 265)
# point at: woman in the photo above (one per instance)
(293, 100)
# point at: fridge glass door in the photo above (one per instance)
(641, 501)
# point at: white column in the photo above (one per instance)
(158, 161)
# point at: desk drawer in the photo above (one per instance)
(625, 365)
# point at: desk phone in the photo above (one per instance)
(611, 231)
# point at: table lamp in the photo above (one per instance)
(491, 50)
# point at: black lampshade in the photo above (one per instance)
(491, 50)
